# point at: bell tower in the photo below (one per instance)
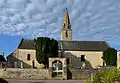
(66, 33)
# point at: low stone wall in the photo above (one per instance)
(43, 74)
(34, 74)
(78, 74)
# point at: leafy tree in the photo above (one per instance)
(39, 52)
(110, 57)
(45, 48)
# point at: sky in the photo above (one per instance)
(95, 20)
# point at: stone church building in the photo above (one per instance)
(86, 54)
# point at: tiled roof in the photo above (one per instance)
(83, 45)
(27, 44)
(70, 45)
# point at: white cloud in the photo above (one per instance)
(90, 19)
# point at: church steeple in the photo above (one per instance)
(66, 20)
(66, 33)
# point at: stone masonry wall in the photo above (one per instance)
(18, 59)
(78, 74)
(26, 74)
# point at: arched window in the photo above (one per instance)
(28, 56)
(66, 34)
(57, 65)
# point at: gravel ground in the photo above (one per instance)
(45, 81)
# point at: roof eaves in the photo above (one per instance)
(79, 50)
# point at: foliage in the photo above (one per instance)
(106, 76)
(110, 57)
(45, 48)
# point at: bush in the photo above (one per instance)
(107, 76)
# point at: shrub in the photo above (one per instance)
(107, 76)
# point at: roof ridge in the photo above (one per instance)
(28, 39)
(84, 41)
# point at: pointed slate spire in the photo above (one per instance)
(66, 19)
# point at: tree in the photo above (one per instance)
(39, 52)
(45, 48)
(110, 57)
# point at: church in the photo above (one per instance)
(78, 52)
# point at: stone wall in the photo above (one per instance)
(78, 74)
(14, 73)
(43, 74)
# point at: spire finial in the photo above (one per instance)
(66, 9)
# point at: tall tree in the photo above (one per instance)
(45, 48)
(110, 57)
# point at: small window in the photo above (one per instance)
(83, 58)
(28, 57)
(103, 63)
(66, 34)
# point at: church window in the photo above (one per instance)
(103, 63)
(66, 34)
(83, 58)
(28, 57)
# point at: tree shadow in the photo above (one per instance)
(11, 62)
(75, 62)
(3, 81)
(69, 74)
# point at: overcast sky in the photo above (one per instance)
(90, 20)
